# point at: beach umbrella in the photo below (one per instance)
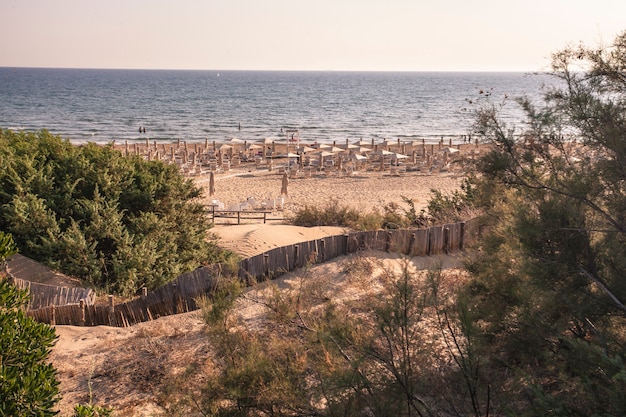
(285, 183)
(450, 150)
(253, 147)
(305, 149)
(235, 140)
(363, 149)
(349, 146)
(335, 149)
(324, 154)
(287, 155)
(212, 184)
(400, 156)
(268, 141)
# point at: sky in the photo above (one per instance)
(326, 35)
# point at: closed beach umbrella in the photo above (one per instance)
(212, 184)
(283, 189)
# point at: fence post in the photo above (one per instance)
(82, 312)
(388, 241)
(462, 239)
(411, 244)
(174, 298)
(446, 240)
(322, 249)
(144, 292)
(266, 265)
(53, 319)
(111, 310)
(346, 242)
(296, 253)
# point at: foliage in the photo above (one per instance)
(441, 208)
(7, 247)
(119, 223)
(317, 355)
(87, 410)
(453, 207)
(334, 214)
(548, 285)
(28, 384)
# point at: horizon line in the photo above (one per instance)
(277, 70)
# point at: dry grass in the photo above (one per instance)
(160, 367)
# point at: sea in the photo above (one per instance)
(104, 105)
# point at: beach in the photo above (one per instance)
(271, 181)
(365, 192)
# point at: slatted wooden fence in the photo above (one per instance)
(43, 295)
(180, 295)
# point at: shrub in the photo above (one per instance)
(28, 384)
(331, 215)
(118, 223)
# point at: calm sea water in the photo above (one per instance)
(103, 105)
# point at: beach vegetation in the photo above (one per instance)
(381, 354)
(331, 214)
(28, 382)
(451, 207)
(118, 223)
(89, 410)
(391, 216)
(442, 208)
(547, 285)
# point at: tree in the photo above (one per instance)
(548, 286)
(28, 384)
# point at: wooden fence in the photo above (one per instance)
(239, 215)
(43, 295)
(180, 295)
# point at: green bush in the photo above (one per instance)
(87, 410)
(333, 214)
(119, 223)
(28, 384)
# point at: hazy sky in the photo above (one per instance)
(370, 35)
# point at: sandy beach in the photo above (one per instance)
(251, 177)
(367, 191)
